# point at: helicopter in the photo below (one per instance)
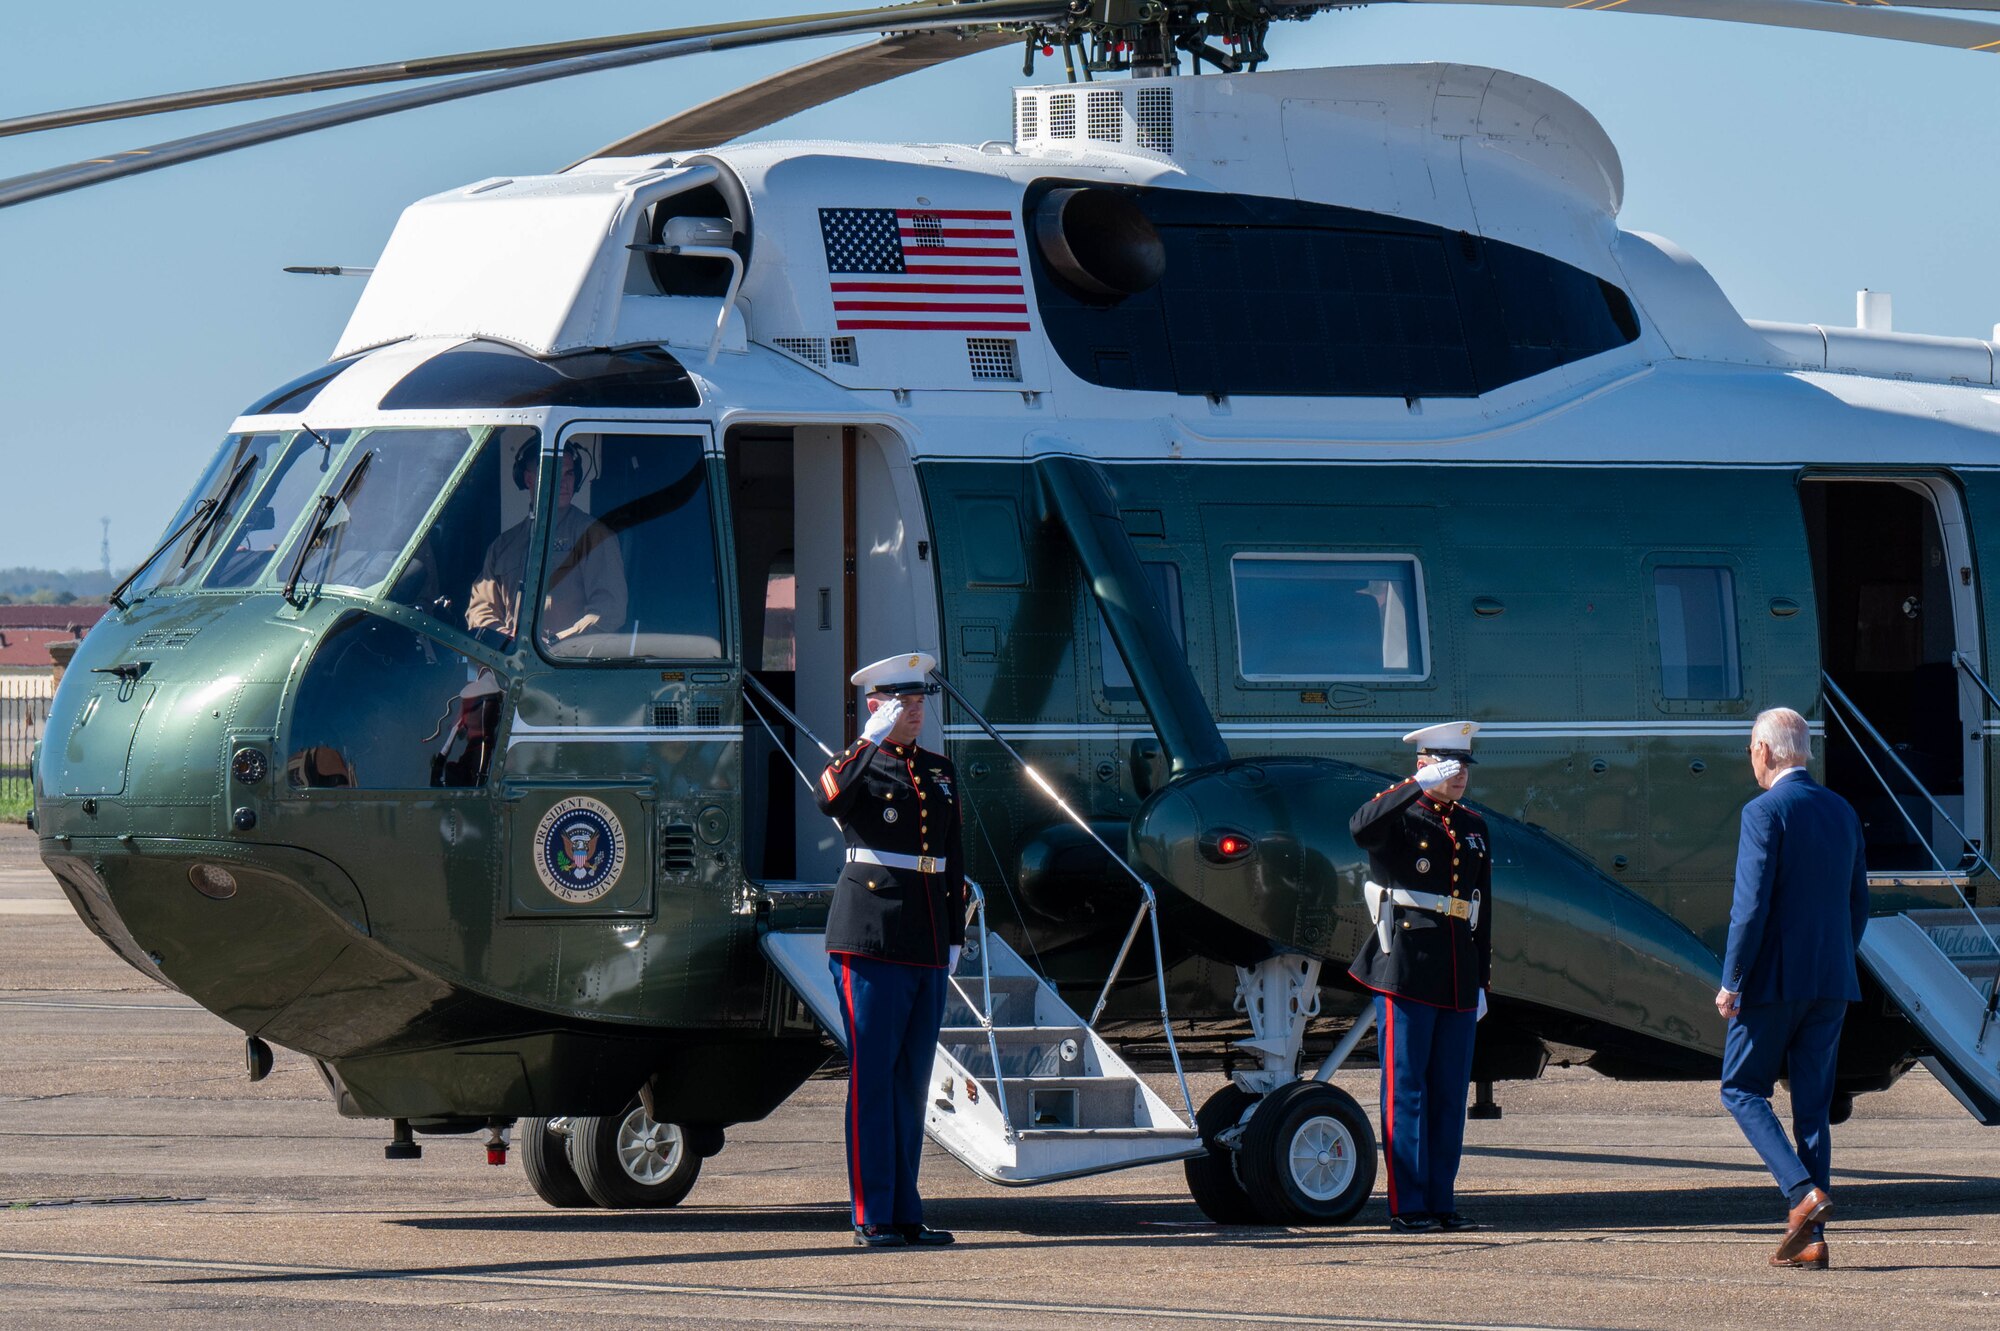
(1212, 429)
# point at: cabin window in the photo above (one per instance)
(1165, 578)
(381, 707)
(1310, 616)
(479, 540)
(1696, 608)
(630, 571)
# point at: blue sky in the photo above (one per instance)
(137, 318)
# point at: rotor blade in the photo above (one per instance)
(1860, 20)
(57, 180)
(801, 88)
(425, 67)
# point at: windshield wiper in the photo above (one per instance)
(221, 505)
(201, 510)
(331, 500)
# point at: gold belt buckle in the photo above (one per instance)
(928, 864)
(1460, 909)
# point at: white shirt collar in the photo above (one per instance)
(1784, 772)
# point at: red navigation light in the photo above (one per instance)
(1226, 847)
(1232, 846)
(1048, 50)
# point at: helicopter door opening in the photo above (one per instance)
(832, 572)
(1897, 597)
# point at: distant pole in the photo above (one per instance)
(104, 548)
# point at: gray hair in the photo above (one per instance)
(1785, 731)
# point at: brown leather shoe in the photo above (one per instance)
(1812, 1209)
(1813, 1255)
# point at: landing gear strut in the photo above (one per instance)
(1283, 1150)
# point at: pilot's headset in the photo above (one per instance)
(573, 454)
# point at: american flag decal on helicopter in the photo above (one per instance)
(924, 270)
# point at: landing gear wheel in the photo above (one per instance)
(1308, 1156)
(545, 1157)
(1212, 1177)
(628, 1162)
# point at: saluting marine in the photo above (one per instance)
(1429, 960)
(893, 936)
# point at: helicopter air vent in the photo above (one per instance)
(811, 350)
(994, 358)
(707, 714)
(677, 848)
(666, 714)
(153, 638)
(842, 351)
(1153, 120)
(1062, 116)
(1104, 115)
(1027, 117)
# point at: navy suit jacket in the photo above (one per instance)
(1801, 897)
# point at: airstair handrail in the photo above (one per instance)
(1149, 911)
(1845, 703)
(982, 1012)
(1958, 659)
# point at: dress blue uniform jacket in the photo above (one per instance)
(1425, 845)
(1801, 897)
(901, 799)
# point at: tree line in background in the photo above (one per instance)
(48, 586)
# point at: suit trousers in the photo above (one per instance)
(892, 1013)
(1426, 1068)
(1801, 1040)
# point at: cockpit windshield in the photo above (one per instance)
(238, 480)
(384, 488)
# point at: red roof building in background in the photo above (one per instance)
(27, 630)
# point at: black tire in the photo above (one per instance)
(1841, 1109)
(1211, 1177)
(545, 1157)
(626, 1162)
(1308, 1156)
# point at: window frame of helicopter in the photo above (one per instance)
(713, 483)
(1738, 642)
(1170, 588)
(1418, 607)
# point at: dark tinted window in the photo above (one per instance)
(1166, 580)
(1697, 617)
(1274, 296)
(383, 708)
(1329, 617)
(297, 394)
(630, 571)
(485, 374)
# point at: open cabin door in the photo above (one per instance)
(833, 571)
(1894, 580)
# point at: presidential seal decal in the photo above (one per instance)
(579, 850)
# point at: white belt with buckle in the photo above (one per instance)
(888, 859)
(1378, 896)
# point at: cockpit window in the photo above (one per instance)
(444, 573)
(234, 481)
(381, 493)
(299, 470)
(630, 572)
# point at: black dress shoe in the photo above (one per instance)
(1416, 1222)
(921, 1236)
(1457, 1223)
(879, 1236)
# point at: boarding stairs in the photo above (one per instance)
(1940, 967)
(1023, 1089)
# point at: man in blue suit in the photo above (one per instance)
(1788, 974)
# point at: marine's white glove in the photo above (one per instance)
(1482, 1007)
(882, 720)
(951, 967)
(1430, 778)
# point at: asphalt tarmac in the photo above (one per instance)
(143, 1179)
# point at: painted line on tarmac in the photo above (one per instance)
(740, 1293)
(102, 1007)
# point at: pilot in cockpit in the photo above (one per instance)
(585, 587)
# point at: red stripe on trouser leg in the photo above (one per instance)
(1389, 1098)
(853, 1098)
